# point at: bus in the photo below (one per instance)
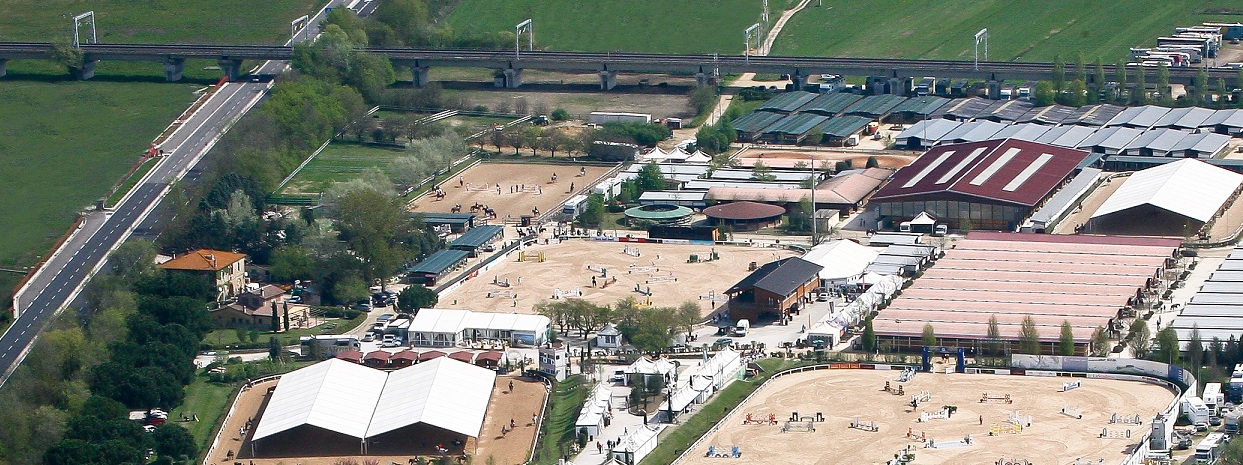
(1210, 448)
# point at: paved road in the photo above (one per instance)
(67, 271)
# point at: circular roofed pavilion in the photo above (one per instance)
(744, 215)
(660, 214)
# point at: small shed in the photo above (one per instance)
(377, 359)
(489, 359)
(403, 359)
(608, 337)
(463, 356)
(430, 355)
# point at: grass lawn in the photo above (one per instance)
(688, 26)
(208, 400)
(91, 132)
(341, 161)
(563, 409)
(1023, 30)
(156, 21)
(131, 181)
(224, 338)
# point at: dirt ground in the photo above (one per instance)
(527, 398)
(566, 269)
(787, 158)
(509, 175)
(1090, 203)
(660, 103)
(843, 395)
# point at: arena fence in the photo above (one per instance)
(233, 408)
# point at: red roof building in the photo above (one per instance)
(994, 184)
(351, 356)
(463, 356)
(377, 359)
(429, 355)
(403, 359)
(489, 359)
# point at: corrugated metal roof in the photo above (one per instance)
(1115, 138)
(756, 122)
(1158, 140)
(478, 236)
(1139, 117)
(925, 105)
(831, 104)
(787, 102)
(844, 126)
(875, 105)
(967, 108)
(796, 124)
(1185, 118)
(781, 277)
(974, 131)
(440, 261)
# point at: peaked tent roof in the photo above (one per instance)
(841, 259)
(444, 393)
(335, 395)
(1188, 187)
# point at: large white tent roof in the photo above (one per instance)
(363, 402)
(439, 320)
(442, 392)
(841, 259)
(335, 395)
(1188, 187)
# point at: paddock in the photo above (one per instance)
(567, 270)
(854, 404)
(523, 188)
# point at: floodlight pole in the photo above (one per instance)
(748, 34)
(89, 18)
(527, 26)
(294, 28)
(981, 36)
(814, 182)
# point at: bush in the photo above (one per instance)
(560, 115)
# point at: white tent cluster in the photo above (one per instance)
(362, 402)
(842, 260)
(698, 383)
(595, 410)
(830, 328)
(647, 366)
(1187, 187)
(676, 155)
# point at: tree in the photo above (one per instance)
(1166, 349)
(1098, 78)
(1163, 81)
(1045, 94)
(274, 348)
(761, 172)
(1139, 96)
(291, 262)
(531, 137)
(1081, 70)
(930, 336)
(872, 162)
(414, 297)
(349, 290)
(1199, 87)
(650, 178)
(868, 339)
(1195, 349)
(1059, 73)
(1120, 75)
(702, 99)
(1100, 342)
(1029, 337)
(173, 441)
(687, 316)
(560, 115)
(1214, 353)
(79, 452)
(654, 330)
(370, 222)
(1139, 338)
(1066, 342)
(593, 215)
(992, 343)
(1076, 93)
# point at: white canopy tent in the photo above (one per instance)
(1187, 187)
(842, 260)
(362, 402)
(594, 410)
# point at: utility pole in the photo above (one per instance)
(749, 34)
(529, 28)
(814, 183)
(981, 36)
(89, 18)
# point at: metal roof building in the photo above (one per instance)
(1185, 118)
(476, 238)
(1005, 111)
(1175, 198)
(1215, 311)
(974, 131)
(991, 185)
(842, 127)
(1155, 142)
(1139, 117)
(918, 108)
(1202, 145)
(1109, 141)
(1096, 115)
(830, 104)
(1066, 136)
(965, 109)
(1052, 114)
(775, 288)
(1027, 132)
(1083, 280)
(787, 102)
(875, 106)
(437, 265)
(926, 133)
(364, 403)
(794, 128)
(754, 124)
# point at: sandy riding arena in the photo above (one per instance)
(568, 269)
(523, 188)
(1033, 427)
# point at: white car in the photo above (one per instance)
(370, 336)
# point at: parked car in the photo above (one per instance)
(370, 336)
(384, 318)
(363, 306)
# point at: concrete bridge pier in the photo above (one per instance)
(508, 78)
(894, 86)
(88, 69)
(421, 75)
(703, 79)
(994, 89)
(608, 80)
(173, 67)
(4, 67)
(798, 80)
(232, 68)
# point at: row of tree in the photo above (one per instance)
(1076, 87)
(648, 328)
(996, 345)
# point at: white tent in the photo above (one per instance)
(699, 157)
(647, 366)
(595, 410)
(841, 260)
(362, 402)
(1187, 187)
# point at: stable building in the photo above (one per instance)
(436, 266)
(477, 239)
(455, 223)
(775, 290)
(993, 184)
(1175, 199)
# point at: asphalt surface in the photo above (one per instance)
(62, 277)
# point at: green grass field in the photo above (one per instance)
(208, 400)
(1023, 30)
(340, 162)
(92, 132)
(618, 25)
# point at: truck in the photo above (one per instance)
(574, 206)
(741, 328)
(1195, 410)
(1209, 450)
(1213, 398)
(602, 117)
(1234, 388)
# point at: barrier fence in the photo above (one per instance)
(233, 408)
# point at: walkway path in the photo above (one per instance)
(748, 79)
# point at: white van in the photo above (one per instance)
(741, 328)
